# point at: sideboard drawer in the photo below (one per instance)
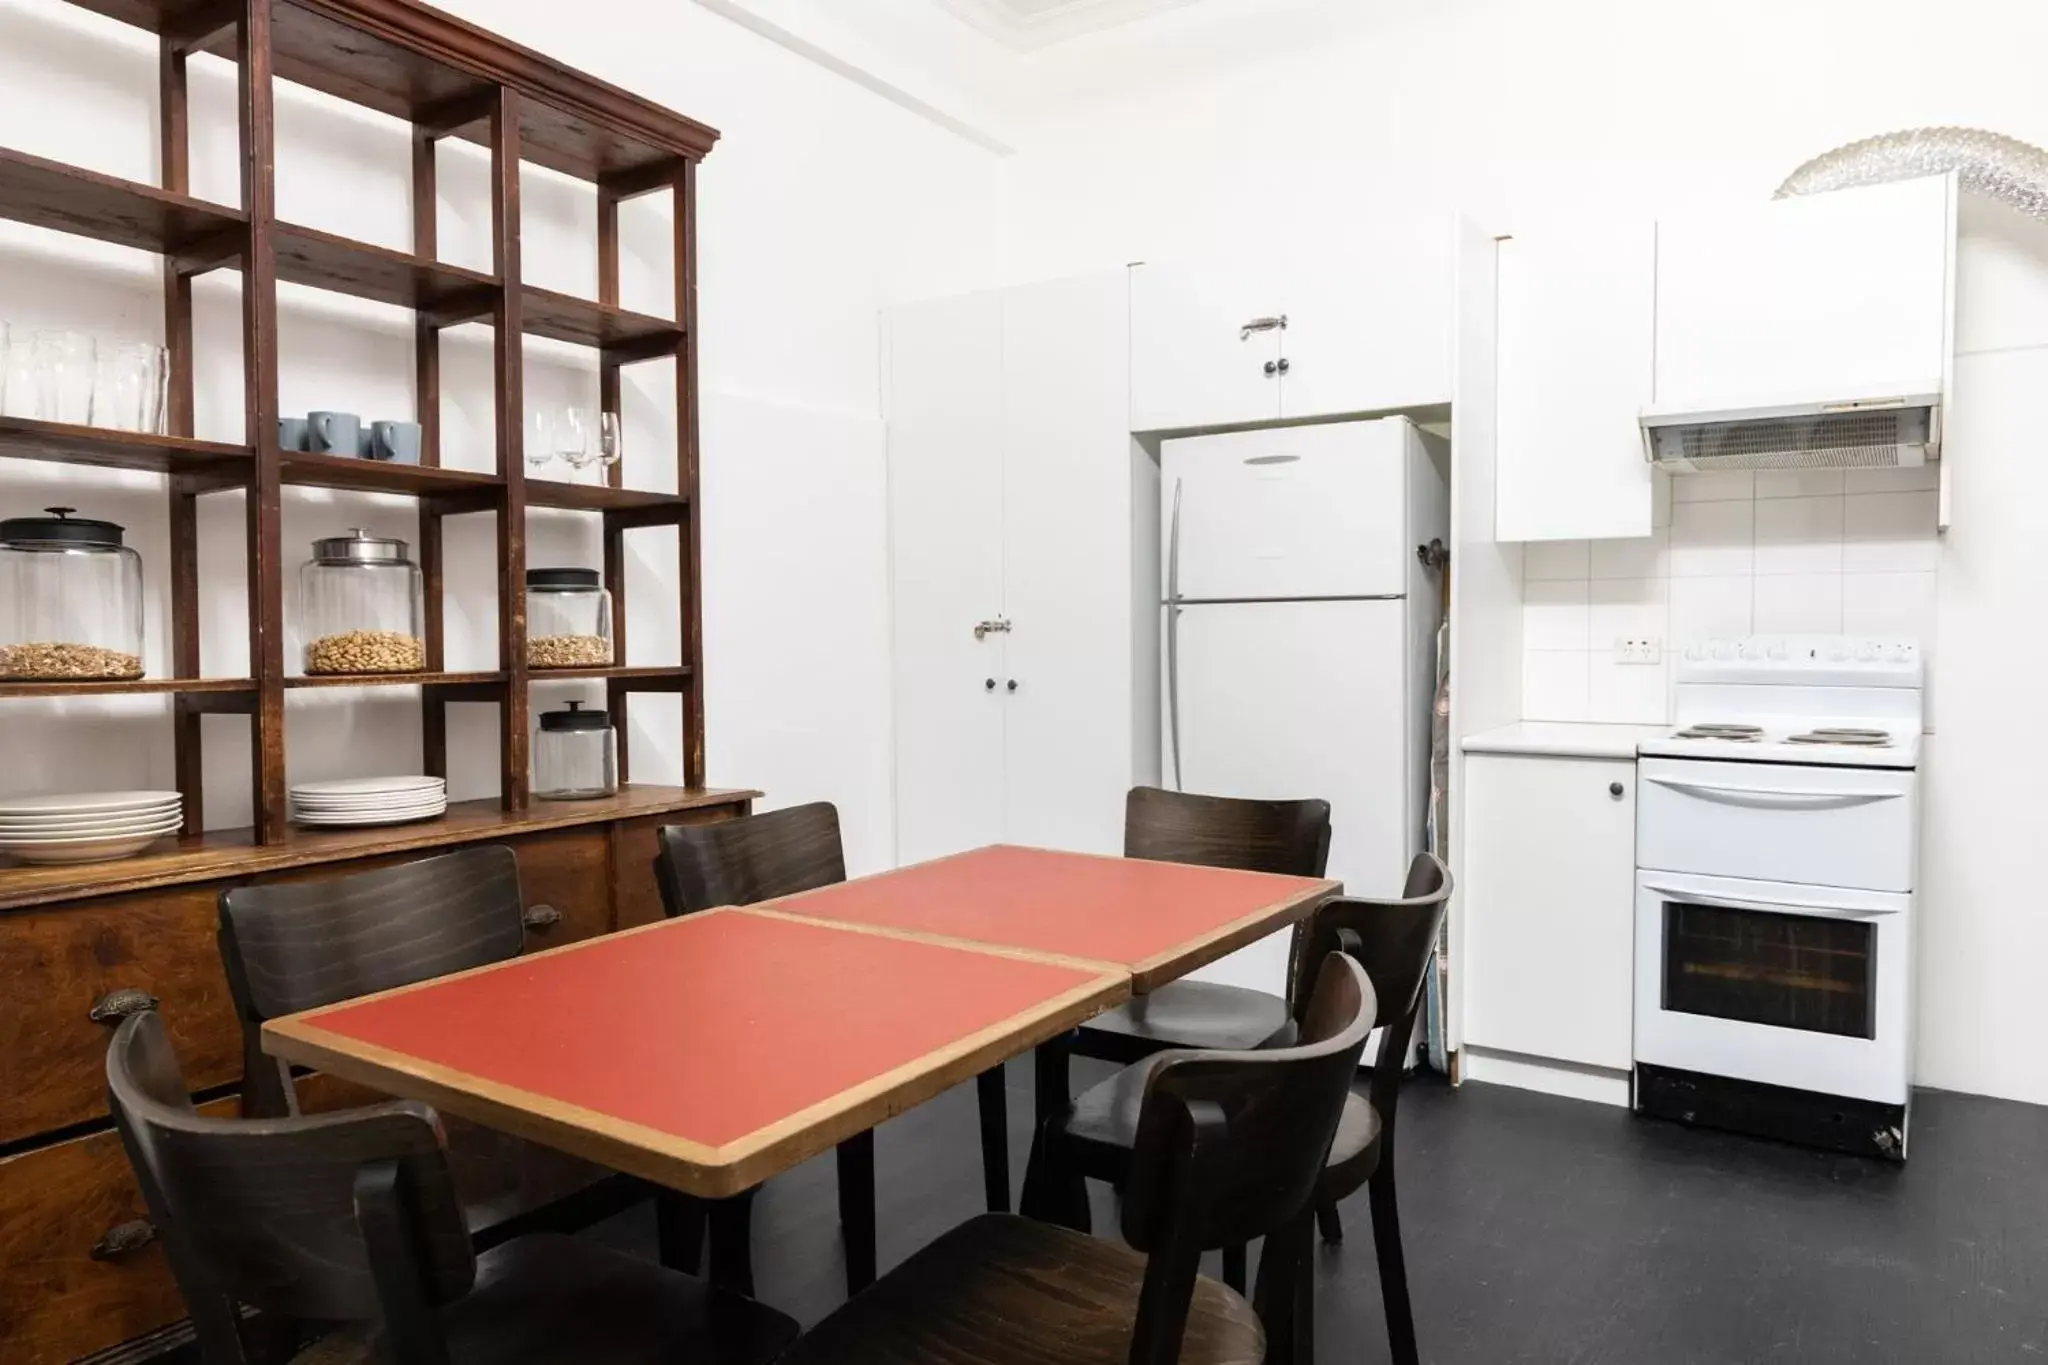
(58, 965)
(568, 872)
(634, 844)
(60, 1298)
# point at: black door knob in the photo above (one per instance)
(1013, 684)
(990, 684)
(1272, 368)
(1615, 789)
(1284, 366)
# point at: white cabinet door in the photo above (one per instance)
(1369, 327)
(1067, 556)
(1819, 295)
(1549, 907)
(1576, 319)
(945, 367)
(1193, 361)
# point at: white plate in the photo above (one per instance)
(16, 841)
(58, 824)
(369, 786)
(99, 829)
(89, 851)
(386, 818)
(361, 802)
(84, 803)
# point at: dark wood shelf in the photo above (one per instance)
(220, 854)
(325, 261)
(136, 687)
(23, 438)
(641, 508)
(395, 680)
(410, 61)
(305, 469)
(51, 194)
(564, 317)
(655, 678)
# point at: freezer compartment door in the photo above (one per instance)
(1298, 512)
(1282, 701)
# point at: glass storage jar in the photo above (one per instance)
(70, 600)
(360, 607)
(575, 756)
(568, 619)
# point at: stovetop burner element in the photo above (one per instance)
(1739, 734)
(1840, 734)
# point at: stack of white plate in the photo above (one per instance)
(369, 801)
(87, 827)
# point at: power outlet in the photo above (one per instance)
(1632, 650)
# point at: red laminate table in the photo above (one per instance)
(1157, 921)
(707, 1053)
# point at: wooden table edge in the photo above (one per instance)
(1164, 968)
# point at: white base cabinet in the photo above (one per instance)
(1548, 892)
(1019, 505)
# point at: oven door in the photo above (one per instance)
(1792, 985)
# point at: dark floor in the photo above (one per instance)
(1542, 1229)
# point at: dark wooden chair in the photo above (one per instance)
(300, 945)
(1229, 1146)
(740, 862)
(350, 1222)
(1392, 940)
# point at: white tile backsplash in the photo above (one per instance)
(1801, 551)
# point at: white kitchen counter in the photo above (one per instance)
(1563, 739)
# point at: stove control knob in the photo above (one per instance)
(1748, 650)
(1836, 654)
(1866, 652)
(1778, 652)
(1723, 650)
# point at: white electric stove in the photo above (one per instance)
(1777, 841)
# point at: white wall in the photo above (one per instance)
(823, 201)
(1268, 126)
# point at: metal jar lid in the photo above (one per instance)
(58, 528)
(575, 718)
(563, 580)
(359, 547)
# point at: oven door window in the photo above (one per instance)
(1759, 967)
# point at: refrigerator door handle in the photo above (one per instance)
(1173, 636)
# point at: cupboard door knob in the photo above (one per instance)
(1615, 789)
(1272, 368)
(1013, 684)
(990, 684)
(115, 1006)
(1284, 365)
(123, 1238)
(542, 917)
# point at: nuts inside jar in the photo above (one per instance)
(366, 651)
(568, 651)
(56, 661)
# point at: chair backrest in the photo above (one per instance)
(1288, 837)
(1392, 940)
(1230, 1146)
(299, 945)
(263, 1212)
(753, 858)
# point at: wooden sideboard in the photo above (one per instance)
(80, 1273)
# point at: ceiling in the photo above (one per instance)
(1026, 24)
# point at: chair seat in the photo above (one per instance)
(1200, 1014)
(1000, 1290)
(1354, 1152)
(547, 1299)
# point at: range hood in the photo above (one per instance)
(1891, 428)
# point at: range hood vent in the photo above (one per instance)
(1896, 431)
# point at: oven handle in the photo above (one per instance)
(1775, 800)
(1782, 906)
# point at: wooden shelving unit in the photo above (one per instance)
(448, 79)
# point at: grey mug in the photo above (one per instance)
(291, 433)
(334, 433)
(398, 442)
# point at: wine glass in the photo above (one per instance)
(540, 440)
(611, 440)
(572, 437)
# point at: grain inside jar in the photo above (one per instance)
(50, 661)
(366, 651)
(568, 651)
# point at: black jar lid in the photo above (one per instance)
(563, 580)
(60, 528)
(576, 718)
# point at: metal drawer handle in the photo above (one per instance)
(115, 1006)
(542, 917)
(1277, 324)
(122, 1239)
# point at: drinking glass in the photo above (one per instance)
(128, 386)
(18, 389)
(611, 440)
(64, 363)
(572, 437)
(540, 440)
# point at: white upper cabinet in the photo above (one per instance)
(1202, 354)
(1577, 317)
(1369, 327)
(1820, 296)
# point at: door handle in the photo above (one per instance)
(984, 629)
(1775, 800)
(1271, 324)
(1817, 909)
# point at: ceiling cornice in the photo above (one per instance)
(1071, 19)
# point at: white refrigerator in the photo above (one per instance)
(1298, 633)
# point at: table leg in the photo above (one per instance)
(1051, 1195)
(994, 1101)
(679, 1230)
(857, 1209)
(732, 1253)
